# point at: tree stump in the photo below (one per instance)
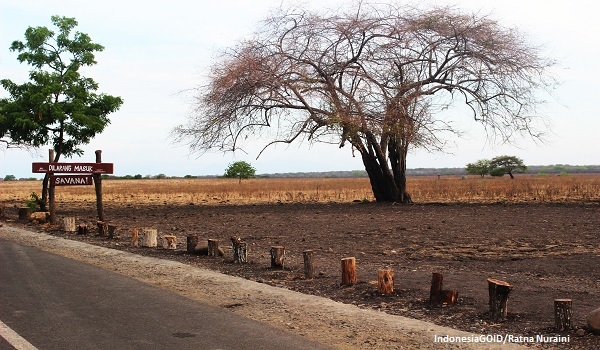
(82, 229)
(498, 291)
(169, 242)
(148, 237)
(349, 277)
(449, 296)
(435, 292)
(24, 214)
(309, 266)
(213, 247)
(68, 224)
(112, 229)
(563, 315)
(438, 295)
(191, 243)
(277, 256)
(385, 282)
(39, 216)
(240, 252)
(102, 228)
(135, 234)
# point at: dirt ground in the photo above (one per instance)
(545, 251)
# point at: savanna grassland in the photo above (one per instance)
(446, 189)
(541, 234)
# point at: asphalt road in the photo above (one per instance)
(52, 302)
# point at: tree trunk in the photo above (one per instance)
(43, 202)
(388, 185)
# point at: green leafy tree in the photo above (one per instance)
(506, 165)
(480, 167)
(240, 170)
(58, 106)
(10, 178)
(374, 77)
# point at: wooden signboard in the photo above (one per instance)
(74, 168)
(71, 180)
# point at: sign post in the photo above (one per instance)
(80, 174)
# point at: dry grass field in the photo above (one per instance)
(455, 189)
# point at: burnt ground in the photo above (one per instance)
(545, 251)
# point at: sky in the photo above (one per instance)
(156, 51)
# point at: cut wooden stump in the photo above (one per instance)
(39, 216)
(191, 243)
(24, 214)
(498, 291)
(435, 292)
(277, 256)
(83, 229)
(309, 266)
(169, 242)
(112, 230)
(349, 277)
(135, 235)
(563, 315)
(438, 295)
(102, 228)
(148, 237)
(385, 282)
(68, 224)
(213, 247)
(450, 296)
(240, 250)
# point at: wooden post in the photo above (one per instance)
(385, 282)
(112, 229)
(135, 237)
(51, 192)
(213, 247)
(309, 266)
(24, 214)
(102, 228)
(277, 256)
(149, 237)
(563, 315)
(498, 291)
(68, 224)
(435, 292)
(169, 242)
(98, 187)
(191, 243)
(240, 252)
(349, 271)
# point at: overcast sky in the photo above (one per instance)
(156, 49)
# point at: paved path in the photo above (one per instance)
(51, 302)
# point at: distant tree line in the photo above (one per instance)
(553, 169)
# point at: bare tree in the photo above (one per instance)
(375, 78)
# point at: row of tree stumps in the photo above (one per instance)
(499, 291)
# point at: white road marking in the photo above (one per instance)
(14, 338)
